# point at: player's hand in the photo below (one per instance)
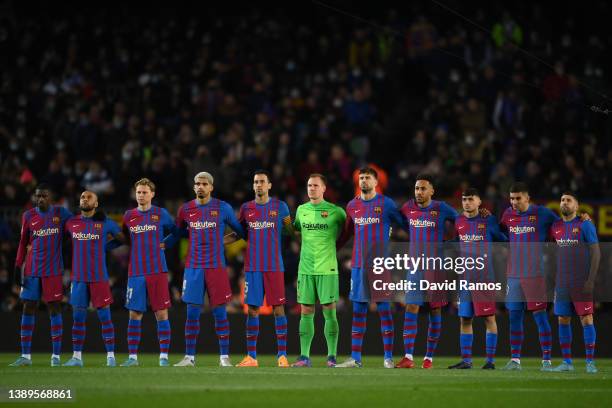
(99, 215)
(585, 217)
(484, 213)
(589, 286)
(230, 238)
(17, 276)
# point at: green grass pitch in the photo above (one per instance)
(208, 385)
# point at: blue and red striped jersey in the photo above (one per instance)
(370, 222)
(263, 226)
(43, 233)
(526, 232)
(475, 235)
(89, 239)
(205, 226)
(573, 260)
(146, 230)
(427, 225)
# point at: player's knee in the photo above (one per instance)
(586, 319)
(308, 309)
(253, 311)
(412, 308)
(161, 314)
(54, 308)
(135, 315)
(278, 310)
(29, 307)
(565, 319)
(466, 321)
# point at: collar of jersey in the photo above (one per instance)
(370, 200)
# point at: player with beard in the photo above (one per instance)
(369, 219)
(578, 258)
(90, 233)
(427, 220)
(263, 220)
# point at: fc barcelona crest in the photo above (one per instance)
(324, 214)
(214, 213)
(481, 226)
(433, 213)
(56, 220)
(273, 213)
(532, 218)
(155, 217)
(98, 226)
(575, 230)
(377, 210)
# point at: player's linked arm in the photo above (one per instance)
(288, 228)
(347, 231)
(230, 238)
(595, 255)
(116, 240)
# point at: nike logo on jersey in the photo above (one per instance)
(413, 212)
(34, 223)
(512, 219)
(133, 219)
(461, 227)
(251, 214)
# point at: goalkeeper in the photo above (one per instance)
(320, 224)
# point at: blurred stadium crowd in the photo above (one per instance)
(99, 99)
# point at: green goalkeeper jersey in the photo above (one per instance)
(320, 224)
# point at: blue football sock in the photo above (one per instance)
(545, 333)
(108, 330)
(56, 333)
(410, 332)
(491, 346)
(222, 329)
(433, 334)
(192, 329)
(465, 341)
(252, 331)
(387, 330)
(589, 341)
(280, 325)
(79, 315)
(516, 332)
(358, 327)
(565, 342)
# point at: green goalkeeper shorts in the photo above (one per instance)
(313, 287)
